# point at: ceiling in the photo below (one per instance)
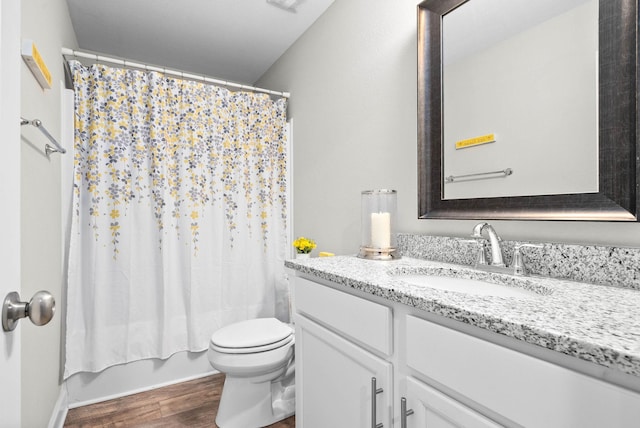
(234, 40)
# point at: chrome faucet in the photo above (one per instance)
(497, 258)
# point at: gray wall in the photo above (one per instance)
(47, 23)
(352, 78)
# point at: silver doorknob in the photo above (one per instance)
(39, 309)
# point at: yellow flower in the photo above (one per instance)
(304, 245)
(115, 214)
(194, 214)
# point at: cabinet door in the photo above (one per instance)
(333, 381)
(433, 409)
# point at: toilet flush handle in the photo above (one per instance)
(39, 309)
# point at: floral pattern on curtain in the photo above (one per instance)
(179, 214)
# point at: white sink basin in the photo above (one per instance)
(467, 286)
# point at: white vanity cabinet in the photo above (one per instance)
(449, 378)
(522, 389)
(340, 383)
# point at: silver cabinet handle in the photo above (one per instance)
(404, 412)
(374, 391)
(39, 309)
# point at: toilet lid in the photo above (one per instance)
(245, 336)
(252, 350)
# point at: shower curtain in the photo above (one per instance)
(179, 222)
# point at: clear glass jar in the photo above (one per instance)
(379, 209)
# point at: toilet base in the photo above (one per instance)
(247, 404)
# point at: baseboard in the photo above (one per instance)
(60, 410)
(136, 391)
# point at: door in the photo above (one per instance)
(334, 381)
(10, 204)
(433, 409)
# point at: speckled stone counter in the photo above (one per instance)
(607, 265)
(596, 323)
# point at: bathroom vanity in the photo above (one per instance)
(375, 347)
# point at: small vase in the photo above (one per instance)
(303, 255)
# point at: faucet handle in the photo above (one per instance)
(519, 267)
(482, 254)
(481, 244)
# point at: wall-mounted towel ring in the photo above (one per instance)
(38, 124)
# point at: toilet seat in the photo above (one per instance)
(251, 336)
(252, 349)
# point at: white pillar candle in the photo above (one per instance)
(380, 230)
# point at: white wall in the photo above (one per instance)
(47, 23)
(352, 78)
(10, 342)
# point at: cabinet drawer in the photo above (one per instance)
(529, 391)
(368, 322)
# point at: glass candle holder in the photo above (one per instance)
(378, 225)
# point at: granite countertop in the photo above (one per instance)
(596, 323)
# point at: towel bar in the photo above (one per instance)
(38, 124)
(479, 175)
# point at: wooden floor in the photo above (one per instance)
(188, 404)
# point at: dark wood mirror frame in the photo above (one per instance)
(617, 199)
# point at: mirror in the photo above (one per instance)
(609, 184)
(543, 53)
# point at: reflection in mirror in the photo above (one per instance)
(530, 112)
(526, 72)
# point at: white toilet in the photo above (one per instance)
(257, 357)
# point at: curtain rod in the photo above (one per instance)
(133, 64)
